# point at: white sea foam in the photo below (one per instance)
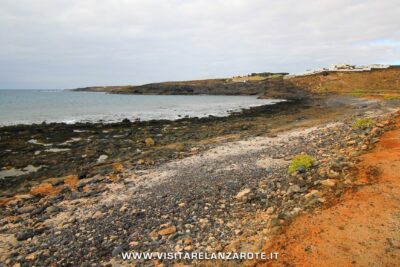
(33, 106)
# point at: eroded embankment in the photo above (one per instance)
(362, 228)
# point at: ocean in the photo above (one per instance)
(36, 106)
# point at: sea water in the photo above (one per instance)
(36, 106)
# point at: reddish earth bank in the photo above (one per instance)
(362, 228)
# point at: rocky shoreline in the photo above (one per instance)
(32, 153)
(202, 185)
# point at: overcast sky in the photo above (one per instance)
(74, 43)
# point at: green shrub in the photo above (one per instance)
(299, 161)
(391, 97)
(363, 123)
(358, 92)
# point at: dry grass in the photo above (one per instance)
(248, 78)
(376, 83)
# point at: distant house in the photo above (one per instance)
(342, 67)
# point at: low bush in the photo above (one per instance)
(301, 163)
(363, 123)
(358, 93)
(391, 97)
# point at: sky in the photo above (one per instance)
(62, 44)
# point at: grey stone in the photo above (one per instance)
(117, 251)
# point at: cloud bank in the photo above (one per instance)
(71, 43)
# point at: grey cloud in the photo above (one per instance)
(66, 44)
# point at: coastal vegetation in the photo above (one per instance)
(358, 93)
(363, 123)
(301, 163)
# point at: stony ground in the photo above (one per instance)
(362, 228)
(32, 153)
(200, 203)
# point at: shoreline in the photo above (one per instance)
(86, 149)
(68, 107)
(230, 112)
(63, 138)
(194, 184)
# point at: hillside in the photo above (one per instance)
(252, 85)
(377, 82)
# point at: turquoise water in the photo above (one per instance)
(36, 106)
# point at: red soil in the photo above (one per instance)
(362, 228)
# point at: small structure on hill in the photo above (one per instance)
(341, 67)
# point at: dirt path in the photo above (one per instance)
(362, 229)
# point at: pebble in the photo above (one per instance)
(293, 189)
(102, 158)
(193, 211)
(243, 195)
(117, 251)
(328, 182)
(167, 231)
(26, 209)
